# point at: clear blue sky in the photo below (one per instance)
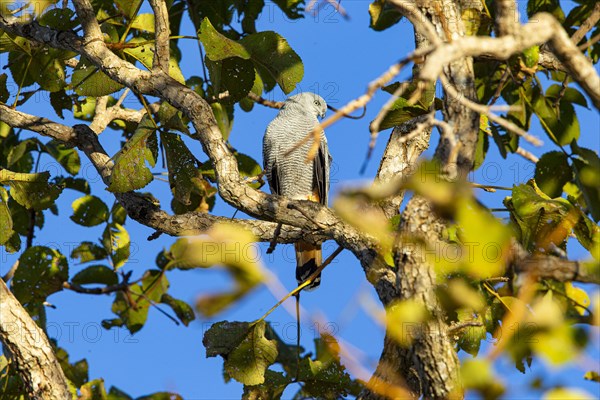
(340, 58)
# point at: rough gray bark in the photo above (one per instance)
(30, 350)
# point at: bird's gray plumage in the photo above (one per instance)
(290, 175)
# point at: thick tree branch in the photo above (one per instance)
(30, 350)
(507, 17)
(161, 31)
(549, 267)
(137, 206)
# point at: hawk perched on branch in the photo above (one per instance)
(290, 175)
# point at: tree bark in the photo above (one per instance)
(30, 350)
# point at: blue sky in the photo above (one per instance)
(340, 58)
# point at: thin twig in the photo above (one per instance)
(480, 108)
(307, 282)
(587, 25)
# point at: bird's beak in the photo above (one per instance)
(322, 115)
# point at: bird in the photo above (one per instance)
(289, 174)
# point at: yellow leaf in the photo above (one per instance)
(579, 296)
(405, 319)
(567, 394)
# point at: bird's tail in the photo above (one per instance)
(308, 258)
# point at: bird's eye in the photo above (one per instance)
(317, 102)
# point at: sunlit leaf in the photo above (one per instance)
(383, 15)
(130, 171)
(116, 242)
(184, 312)
(567, 394)
(182, 167)
(87, 80)
(66, 156)
(89, 211)
(32, 191)
(41, 272)
(88, 251)
(245, 349)
(403, 314)
(6, 222)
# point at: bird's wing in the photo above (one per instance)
(321, 173)
(270, 162)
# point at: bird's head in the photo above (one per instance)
(307, 102)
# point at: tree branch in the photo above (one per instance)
(30, 350)
(161, 29)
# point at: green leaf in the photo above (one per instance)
(274, 55)
(41, 272)
(6, 222)
(128, 8)
(224, 116)
(87, 80)
(78, 184)
(60, 101)
(144, 53)
(77, 372)
(17, 152)
(570, 95)
(144, 22)
(96, 274)
(383, 15)
(476, 373)
(182, 167)
(246, 104)
(66, 156)
(483, 143)
(116, 242)
(293, 9)
(326, 377)
(32, 191)
(488, 236)
(273, 387)
(247, 165)
(586, 165)
(89, 211)
(245, 349)
(551, 6)
(134, 316)
(233, 76)
(61, 19)
(562, 126)
(48, 71)
(217, 46)
(93, 390)
(4, 95)
(567, 394)
(592, 376)
(88, 251)
(130, 171)
(118, 214)
(117, 394)
(161, 396)
(401, 112)
(537, 216)
(552, 172)
(184, 312)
